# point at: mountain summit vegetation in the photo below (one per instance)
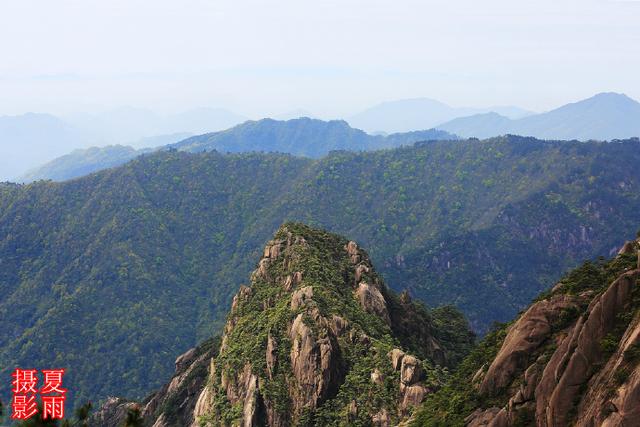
(136, 264)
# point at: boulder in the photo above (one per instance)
(396, 355)
(411, 370)
(300, 297)
(372, 301)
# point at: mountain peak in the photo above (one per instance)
(316, 339)
(612, 95)
(604, 116)
(301, 136)
(608, 100)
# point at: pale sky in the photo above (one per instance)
(331, 57)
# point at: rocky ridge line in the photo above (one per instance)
(561, 372)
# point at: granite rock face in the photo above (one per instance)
(526, 335)
(175, 403)
(572, 358)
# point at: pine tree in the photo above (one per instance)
(82, 414)
(134, 418)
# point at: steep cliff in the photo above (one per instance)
(572, 358)
(316, 339)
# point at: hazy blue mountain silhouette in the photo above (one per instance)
(419, 113)
(30, 139)
(604, 116)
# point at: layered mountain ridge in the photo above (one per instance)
(150, 254)
(301, 137)
(605, 116)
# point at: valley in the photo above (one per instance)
(139, 263)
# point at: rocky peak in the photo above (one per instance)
(316, 338)
(312, 341)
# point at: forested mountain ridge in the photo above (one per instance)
(572, 358)
(303, 137)
(150, 253)
(82, 162)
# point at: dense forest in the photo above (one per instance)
(134, 265)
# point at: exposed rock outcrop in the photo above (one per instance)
(112, 413)
(614, 397)
(372, 301)
(176, 403)
(572, 358)
(525, 336)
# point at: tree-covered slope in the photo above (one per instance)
(136, 264)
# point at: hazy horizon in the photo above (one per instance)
(332, 58)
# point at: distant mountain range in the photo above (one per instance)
(31, 139)
(83, 162)
(129, 125)
(604, 116)
(419, 113)
(302, 137)
(28, 141)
